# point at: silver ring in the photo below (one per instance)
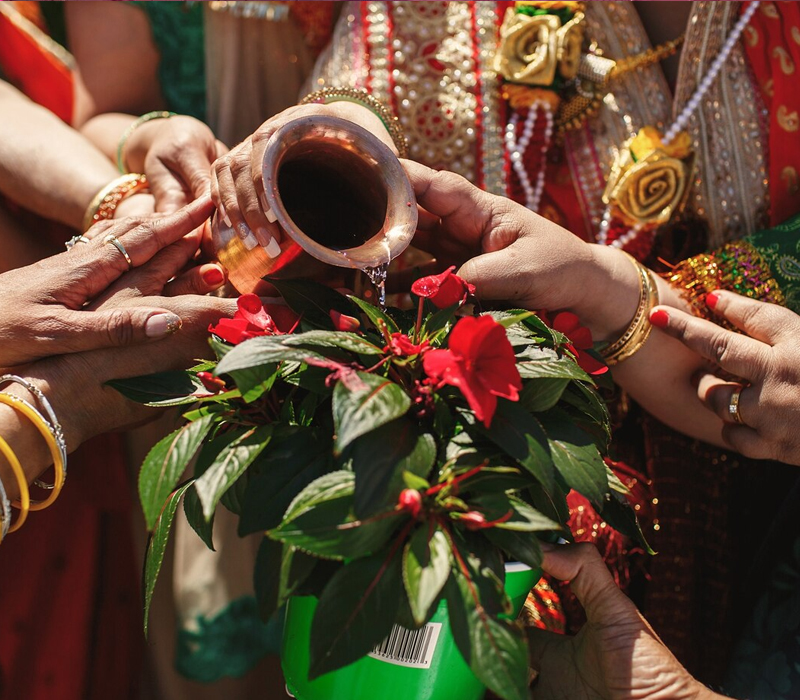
(113, 240)
(72, 242)
(733, 407)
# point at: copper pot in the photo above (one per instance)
(339, 195)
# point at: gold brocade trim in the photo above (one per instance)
(737, 267)
(45, 42)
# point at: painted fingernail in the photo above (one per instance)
(711, 299)
(242, 230)
(224, 215)
(250, 241)
(161, 325)
(213, 277)
(273, 248)
(271, 216)
(659, 318)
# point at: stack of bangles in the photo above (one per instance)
(51, 431)
(638, 331)
(105, 202)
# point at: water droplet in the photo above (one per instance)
(377, 275)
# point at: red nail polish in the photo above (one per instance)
(213, 277)
(711, 299)
(659, 318)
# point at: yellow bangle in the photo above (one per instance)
(24, 495)
(638, 331)
(106, 201)
(44, 428)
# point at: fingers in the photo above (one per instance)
(166, 187)
(717, 394)
(735, 353)
(768, 323)
(199, 280)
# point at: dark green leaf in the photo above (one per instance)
(375, 315)
(312, 300)
(381, 456)
(356, 611)
(545, 363)
(358, 412)
(617, 512)
(521, 437)
(426, 567)
(351, 342)
(292, 462)
(551, 504)
(161, 389)
(519, 546)
(439, 320)
(264, 350)
(229, 466)
(193, 510)
(542, 394)
(254, 382)
(495, 650)
(524, 517)
(575, 456)
(279, 571)
(156, 547)
(166, 462)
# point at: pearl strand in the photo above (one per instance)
(683, 118)
(516, 150)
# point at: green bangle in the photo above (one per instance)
(150, 116)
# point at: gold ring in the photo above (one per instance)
(113, 240)
(733, 407)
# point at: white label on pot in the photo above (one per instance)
(412, 648)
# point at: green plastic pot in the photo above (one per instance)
(425, 667)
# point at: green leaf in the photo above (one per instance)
(264, 350)
(156, 547)
(356, 611)
(312, 300)
(254, 382)
(229, 466)
(496, 650)
(412, 481)
(375, 315)
(358, 412)
(617, 512)
(519, 546)
(293, 461)
(193, 510)
(524, 517)
(540, 395)
(439, 320)
(320, 521)
(575, 456)
(545, 363)
(426, 567)
(279, 571)
(351, 342)
(161, 389)
(510, 318)
(381, 456)
(166, 462)
(521, 437)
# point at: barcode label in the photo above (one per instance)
(412, 648)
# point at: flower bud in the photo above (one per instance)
(410, 500)
(343, 322)
(211, 383)
(473, 520)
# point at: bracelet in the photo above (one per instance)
(55, 426)
(363, 98)
(44, 428)
(635, 336)
(150, 116)
(106, 201)
(24, 494)
(5, 506)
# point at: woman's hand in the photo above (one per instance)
(237, 186)
(616, 655)
(42, 306)
(766, 358)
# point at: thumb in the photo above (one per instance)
(500, 275)
(91, 330)
(166, 187)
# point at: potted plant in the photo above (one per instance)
(395, 460)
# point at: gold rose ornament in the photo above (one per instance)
(649, 180)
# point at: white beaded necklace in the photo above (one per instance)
(516, 150)
(683, 118)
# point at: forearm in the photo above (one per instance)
(45, 165)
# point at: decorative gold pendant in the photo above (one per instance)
(649, 180)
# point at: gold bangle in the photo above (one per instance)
(150, 116)
(362, 97)
(637, 332)
(106, 201)
(49, 437)
(24, 494)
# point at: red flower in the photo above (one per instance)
(401, 345)
(443, 290)
(343, 322)
(480, 362)
(581, 339)
(253, 319)
(410, 500)
(473, 520)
